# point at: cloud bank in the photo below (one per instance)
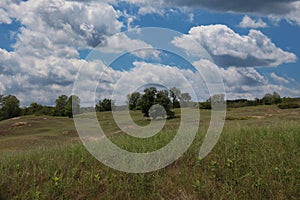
(229, 49)
(286, 9)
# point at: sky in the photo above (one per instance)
(99, 49)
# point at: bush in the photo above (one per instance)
(205, 105)
(105, 105)
(288, 105)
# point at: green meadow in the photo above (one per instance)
(257, 157)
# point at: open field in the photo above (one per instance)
(257, 157)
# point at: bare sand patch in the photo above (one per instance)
(258, 117)
(20, 124)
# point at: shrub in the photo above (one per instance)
(288, 105)
(205, 105)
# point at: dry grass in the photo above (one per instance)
(254, 159)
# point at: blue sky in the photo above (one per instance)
(43, 44)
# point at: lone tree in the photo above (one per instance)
(72, 106)
(105, 105)
(147, 100)
(9, 107)
(65, 106)
(60, 105)
(133, 100)
(151, 99)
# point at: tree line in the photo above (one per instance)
(10, 107)
(268, 99)
(67, 106)
(150, 103)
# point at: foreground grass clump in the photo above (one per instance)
(257, 157)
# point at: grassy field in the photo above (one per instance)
(257, 157)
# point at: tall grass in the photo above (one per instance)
(249, 162)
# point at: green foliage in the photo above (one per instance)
(163, 100)
(60, 105)
(9, 107)
(270, 99)
(288, 105)
(105, 105)
(267, 99)
(213, 101)
(254, 159)
(152, 97)
(185, 99)
(48, 110)
(205, 105)
(34, 109)
(287, 100)
(175, 94)
(133, 100)
(238, 103)
(167, 99)
(1, 100)
(38, 109)
(66, 107)
(72, 106)
(147, 100)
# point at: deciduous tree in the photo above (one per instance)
(147, 100)
(105, 105)
(151, 99)
(10, 107)
(72, 106)
(60, 105)
(133, 100)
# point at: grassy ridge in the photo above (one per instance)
(30, 132)
(257, 157)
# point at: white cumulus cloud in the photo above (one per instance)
(278, 78)
(120, 43)
(228, 48)
(247, 22)
(4, 17)
(45, 59)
